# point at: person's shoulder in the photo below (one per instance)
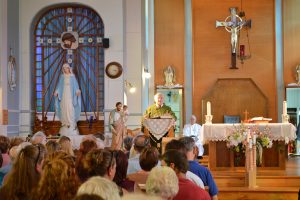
(166, 107)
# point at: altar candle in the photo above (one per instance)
(284, 108)
(250, 144)
(254, 139)
(208, 108)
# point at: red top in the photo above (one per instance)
(190, 191)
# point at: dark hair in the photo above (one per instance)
(178, 159)
(121, 169)
(118, 103)
(52, 146)
(188, 142)
(149, 158)
(85, 147)
(15, 141)
(88, 197)
(128, 143)
(125, 106)
(175, 145)
(68, 36)
(140, 142)
(64, 138)
(4, 143)
(98, 161)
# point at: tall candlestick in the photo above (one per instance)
(254, 139)
(208, 108)
(284, 108)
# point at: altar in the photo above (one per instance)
(222, 158)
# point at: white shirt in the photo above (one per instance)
(117, 116)
(195, 179)
(195, 130)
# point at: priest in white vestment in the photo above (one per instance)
(68, 101)
(194, 130)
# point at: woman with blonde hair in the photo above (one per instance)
(59, 180)
(66, 145)
(100, 186)
(25, 173)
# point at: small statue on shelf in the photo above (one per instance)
(169, 73)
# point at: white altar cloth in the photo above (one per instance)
(219, 132)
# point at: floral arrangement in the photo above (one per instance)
(236, 138)
(240, 135)
(264, 138)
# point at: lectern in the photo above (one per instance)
(158, 128)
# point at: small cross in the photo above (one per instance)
(246, 115)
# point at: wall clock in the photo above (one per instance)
(113, 70)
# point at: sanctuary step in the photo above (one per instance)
(259, 193)
(271, 184)
(238, 180)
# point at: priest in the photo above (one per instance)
(156, 111)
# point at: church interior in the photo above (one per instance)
(231, 64)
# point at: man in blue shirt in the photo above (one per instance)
(198, 169)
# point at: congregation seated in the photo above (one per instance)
(59, 179)
(127, 145)
(163, 182)
(57, 175)
(25, 173)
(140, 142)
(4, 170)
(179, 146)
(39, 138)
(52, 146)
(187, 189)
(88, 197)
(85, 147)
(201, 171)
(121, 171)
(148, 159)
(100, 186)
(4, 147)
(66, 145)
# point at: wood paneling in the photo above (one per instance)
(233, 96)
(211, 56)
(291, 32)
(169, 38)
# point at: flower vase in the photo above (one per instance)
(239, 159)
(259, 153)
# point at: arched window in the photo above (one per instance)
(69, 34)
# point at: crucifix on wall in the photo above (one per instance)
(233, 24)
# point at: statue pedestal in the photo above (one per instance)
(68, 131)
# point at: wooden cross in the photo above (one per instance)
(246, 116)
(233, 24)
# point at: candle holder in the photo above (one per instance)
(208, 119)
(285, 118)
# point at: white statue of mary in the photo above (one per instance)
(68, 101)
